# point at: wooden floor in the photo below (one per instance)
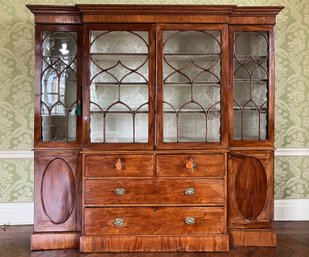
(293, 241)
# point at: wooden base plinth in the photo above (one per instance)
(257, 237)
(51, 241)
(219, 243)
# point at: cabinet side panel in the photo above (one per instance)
(57, 192)
(250, 189)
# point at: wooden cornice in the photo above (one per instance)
(256, 10)
(63, 14)
(139, 9)
(96, 13)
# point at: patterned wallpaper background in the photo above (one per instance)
(16, 91)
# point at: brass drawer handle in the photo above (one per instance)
(119, 191)
(189, 191)
(119, 165)
(190, 220)
(118, 221)
(191, 164)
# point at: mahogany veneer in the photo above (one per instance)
(167, 192)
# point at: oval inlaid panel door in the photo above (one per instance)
(58, 191)
(251, 188)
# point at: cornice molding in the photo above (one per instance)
(66, 14)
(144, 9)
(138, 9)
(53, 9)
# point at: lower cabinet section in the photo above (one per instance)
(251, 198)
(127, 207)
(177, 202)
(250, 189)
(57, 219)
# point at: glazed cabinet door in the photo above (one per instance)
(252, 85)
(119, 92)
(192, 83)
(58, 86)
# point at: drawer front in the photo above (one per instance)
(154, 221)
(119, 165)
(147, 191)
(212, 165)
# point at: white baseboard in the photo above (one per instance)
(16, 213)
(292, 209)
(22, 213)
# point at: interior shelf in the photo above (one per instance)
(194, 83)
(106, 84)
(251, 56)
(252, 80)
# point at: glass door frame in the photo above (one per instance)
(160, 144)
(150, 28)
(269, 142)
(38, 142)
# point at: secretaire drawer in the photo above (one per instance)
(154, 221)
(119, 165)
(148, 191)
(211, 165)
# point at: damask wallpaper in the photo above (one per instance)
(16, 91)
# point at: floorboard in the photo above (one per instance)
(293, 241)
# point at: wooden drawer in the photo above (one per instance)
(154, 221)
(128, 165)
(148, 191)
(211, 165)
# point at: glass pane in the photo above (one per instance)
(250, 85)
(119, 127)
(191, 86)
(59, 86)
(189, 127)
(119, 62)
(141, 127)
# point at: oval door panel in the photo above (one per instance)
(58, 191)
(250, 188)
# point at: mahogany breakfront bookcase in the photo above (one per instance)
(154, 127)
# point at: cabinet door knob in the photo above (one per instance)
(191, 164)
(119, 191)
(189, 220)
(189, 191)
(118, 221)
(119, 165)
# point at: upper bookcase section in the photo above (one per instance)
(99, 13)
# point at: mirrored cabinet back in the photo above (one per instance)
(154, 127)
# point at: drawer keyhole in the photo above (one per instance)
(191, 165)
(119, 165)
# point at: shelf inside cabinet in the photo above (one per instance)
(200, 83)
(112, 84)
(251, 56)
(264, 109)
(251, 80)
